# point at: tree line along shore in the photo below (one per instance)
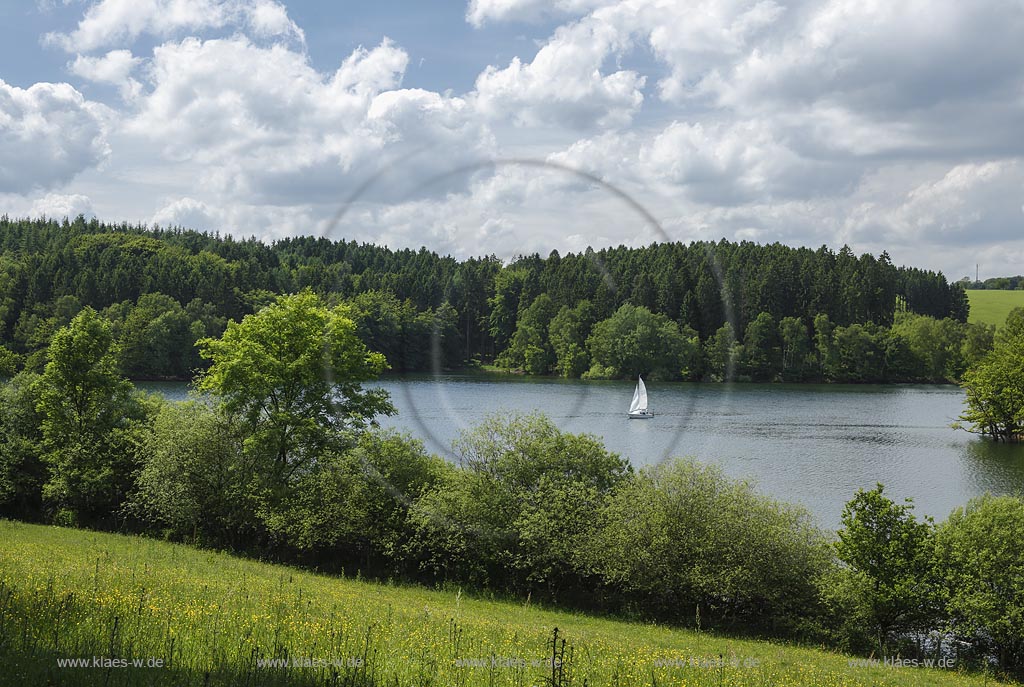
(699, 311)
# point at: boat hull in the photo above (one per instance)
(640, 416)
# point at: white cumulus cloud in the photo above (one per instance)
(113, 22)
(563, 85)
(114, 68)
(48, 134)
(60, 205)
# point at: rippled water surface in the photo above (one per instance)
(811, 444)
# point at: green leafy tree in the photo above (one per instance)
(514, 515)
(886, 586)
(796, 348)
(982, 566)
(293, 371)
(89, 419)
(530, 347)
(762, 348)
(636, 341)
(568, 334)
(9, 362)
(509, 286)
(979, 339)
(723, 353)
(195, 479)
(995, 392)
(936, 344)
(354, 506)
(860, 353)
(22, 470)
(1013, 328)
(825, 347)
(692, 354)
(157, 339)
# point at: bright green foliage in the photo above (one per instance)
(824, 346)
(762, 348)
(796, 348)
(995, 392)
(514, 516)
(860, 353)
(568, 333)
(530, 348)
(195, 478)
(22, 471)
(89, 421)
(887, 586)
(1013, 328)
(723, 353)
(293, 371)
(979, 339)
(692, 358)
(634, 341)
(509, 287)
(687, 542)
(982, 564)
(9, 362)
(937, 345)
(33, 332)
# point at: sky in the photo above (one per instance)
(508, 127)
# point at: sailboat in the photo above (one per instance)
(638, 408)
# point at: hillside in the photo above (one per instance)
(992, 307)
(165, 289)
(213, 618)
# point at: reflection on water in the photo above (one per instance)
(994, 467)
(812, 444)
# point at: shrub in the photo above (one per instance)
(683, 541)
(514, 516)
(982, 565)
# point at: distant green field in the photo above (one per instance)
(212, 619)
(992, 307)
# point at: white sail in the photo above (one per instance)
(639, 403)
(635, 405)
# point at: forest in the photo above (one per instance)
(698, 311)
(280, 461)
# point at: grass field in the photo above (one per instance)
(213, 619)
(992, 307)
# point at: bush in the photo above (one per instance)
(514, 516)
(195, 479)
(685, 542)
(982, 565)
(353, 507)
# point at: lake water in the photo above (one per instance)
(809, 444)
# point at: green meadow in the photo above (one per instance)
(209, 618)
(992, 307)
